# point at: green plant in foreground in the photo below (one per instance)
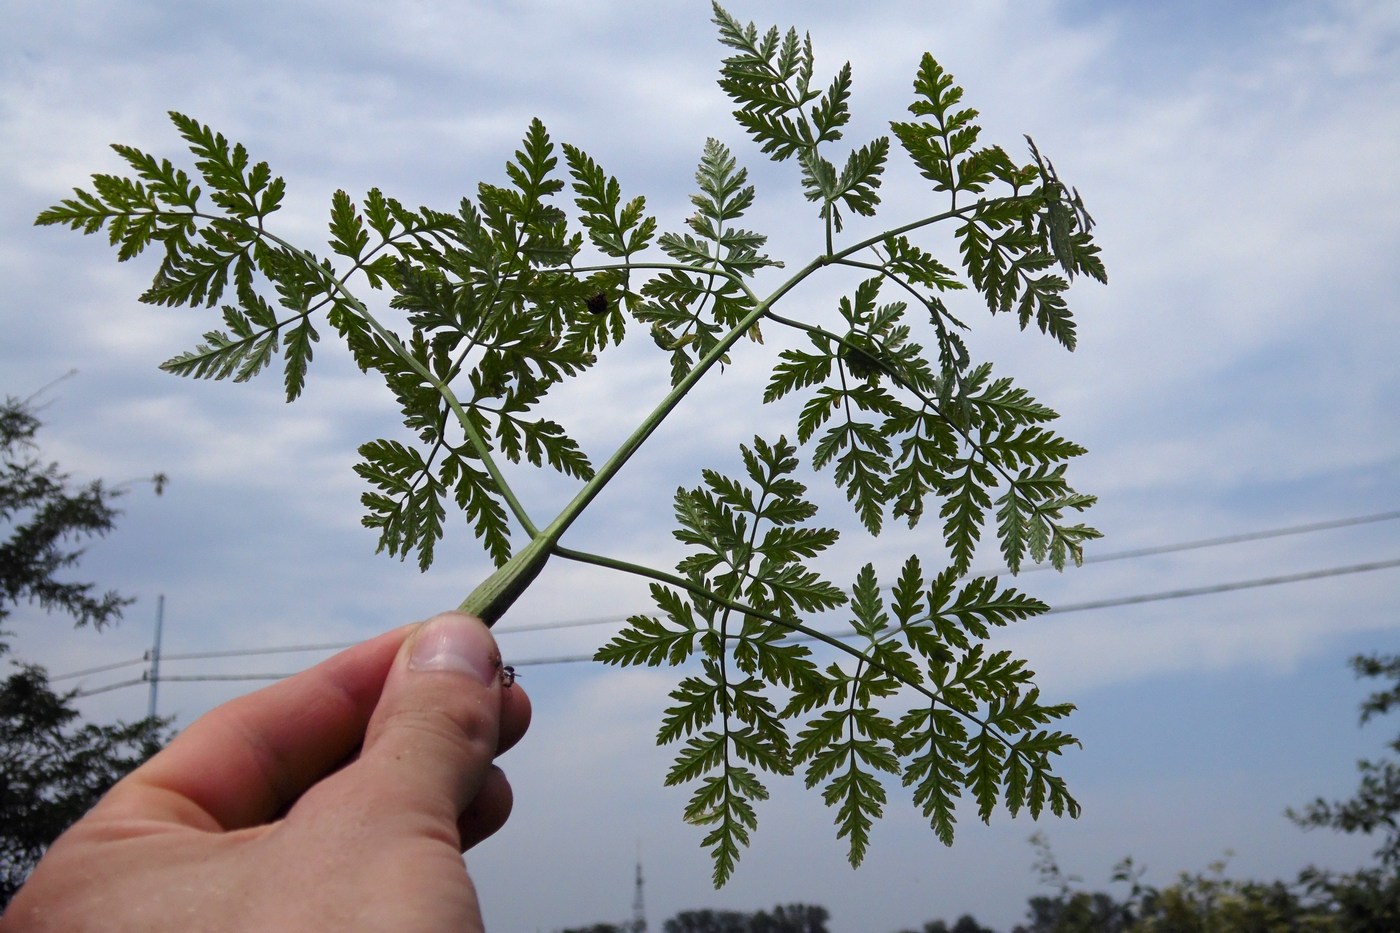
(511, 295)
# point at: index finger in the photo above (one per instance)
(244, 762)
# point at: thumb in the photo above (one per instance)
(430, 742)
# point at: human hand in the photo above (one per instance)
(338, 799)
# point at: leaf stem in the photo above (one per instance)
(493, 597)
(914, 225)
(689, 586)
(724, 602)
(490, 599)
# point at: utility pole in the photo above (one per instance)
(154, 657)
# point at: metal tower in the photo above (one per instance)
(639, 910)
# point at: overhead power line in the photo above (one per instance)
(571, 623)
(1227, 587)
(1230, 539)
(1089, 559)
(99, 669)
(117, 686)
(175, 677)
(243, 652)
(1184, 593)
(614, 619)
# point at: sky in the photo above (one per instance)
(1236, 375)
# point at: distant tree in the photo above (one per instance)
(1077, 911)
(42, 515)
(785, 918)
(1367, 901)
(708, 921)
(964, 924)
(52, 768)
(791, 918)
(1209, 902)
(1375, 809)
(596, 928)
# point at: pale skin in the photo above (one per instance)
(338, 799)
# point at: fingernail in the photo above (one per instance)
(454, 642)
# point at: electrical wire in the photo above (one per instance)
(1227, 587)
(242, 652)
(163, 678)
(1184, 593)
(1229, 539)
(1089, 559)
(571, 623)
(117, 686)
(606, 620)
(615, 619)
(1175, 594)
(100, 669)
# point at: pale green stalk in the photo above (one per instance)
(494, 595)
(497, 592)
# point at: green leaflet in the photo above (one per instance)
(478, 317)
(615, 228)
(926, 637)
(692, 309)
(770, 79)
(891, 453)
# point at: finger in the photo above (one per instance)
(488, 810)
(431, 740)
(242, 763)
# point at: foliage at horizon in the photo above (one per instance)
(53, 767)
(1210, 901)
(1375, 808)
(783, 918)
(509, 295)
